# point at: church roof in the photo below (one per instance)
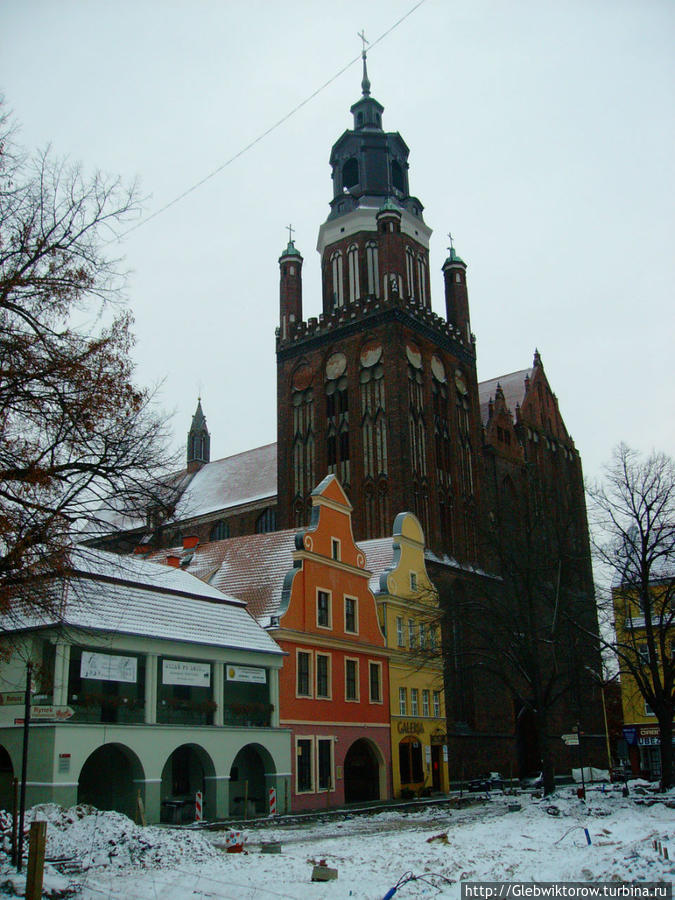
(230, 482)
(513, 386)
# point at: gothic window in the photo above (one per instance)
(303, 446)
(421, 279)
(416, 424)
(337, 418)
(410, 271)
(397, 178)
(374, 438)
(464, 432)
(338, 287)
(266, 521)
(372, 269)
(220, 530)
(353, 269)
(350, 173)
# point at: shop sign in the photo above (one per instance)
(438, 738)
(410, 727)
(176, 671)
(48, 714)
(106, 667)
(248, 674)
(12, 699)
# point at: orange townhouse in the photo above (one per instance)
(310, 590)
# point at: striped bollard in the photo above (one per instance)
(273, 801)
(199, 815)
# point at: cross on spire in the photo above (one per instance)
(452, 246)
(365, 40)
(290, 233)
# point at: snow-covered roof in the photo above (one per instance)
(233, 481)
(513, 386)
(128, 595)
(379, 556)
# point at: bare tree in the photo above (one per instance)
(634, 538)
(74, 429)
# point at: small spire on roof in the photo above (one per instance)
(365, 82)
(537, 358)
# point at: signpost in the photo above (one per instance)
(571, 740)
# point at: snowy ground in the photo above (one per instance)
(543, 841)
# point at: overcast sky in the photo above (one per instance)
(542, 134)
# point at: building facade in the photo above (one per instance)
(160, 686)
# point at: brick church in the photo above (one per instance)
(382, 392)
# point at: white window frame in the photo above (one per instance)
(310, 673)
(330, 740)
(321, 590)
(403, 701)
(400, 633)
(356, 613)
(329, 675)
(357, 698)
(437, 704)
(414, 702)
(336, 549)
(426, 702)
(312, 765)
(412, 634)
(375, 664)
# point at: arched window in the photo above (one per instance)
(220, 530)
(266, 521)
(421, 279)
(353, 270)
(350, 173)
(410, 271)
(338, 290)
(372, 267)
(397, 178)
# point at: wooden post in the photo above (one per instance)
(246, 799)
(15, 818)
(36, 860)
(140, 809)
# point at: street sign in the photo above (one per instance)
(572, 740)
(48, 714)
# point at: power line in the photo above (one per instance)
(268, 131)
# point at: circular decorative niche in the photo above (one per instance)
(302, 377)
(412, 351)
(438, 369)
(335, 366)
(371, 354)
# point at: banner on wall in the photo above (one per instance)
(106, 667)
(176, 671)
(249, 674)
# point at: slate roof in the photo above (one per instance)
(513, 386)
(128, 595)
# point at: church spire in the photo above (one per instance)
(199, 440)
(365, 82)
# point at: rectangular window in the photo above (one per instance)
(413, 581)
(304, 765)
(323, 609)
(402, 702)
(375, 670)
(335, 548)
(425, 703)
(303, 674)
(423, 636)
(323, 676)
(437, 704)
(414, 702)
(400, 640)
(648, 710)
(325, 763)
(351, 622)
(351, 679)
(412, 637)
(643, 654)
(432, 637)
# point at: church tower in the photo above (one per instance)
(378, 389)
(199, 441)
